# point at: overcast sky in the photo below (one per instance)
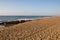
(29, 7)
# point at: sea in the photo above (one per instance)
(11, 18)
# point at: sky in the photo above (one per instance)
(30, 7)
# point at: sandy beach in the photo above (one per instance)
(40, 29)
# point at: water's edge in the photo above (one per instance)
(19, 18)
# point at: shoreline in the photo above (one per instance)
(14, 22)
(32, 29)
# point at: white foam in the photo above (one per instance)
(24, 19)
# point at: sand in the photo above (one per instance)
(41, 29)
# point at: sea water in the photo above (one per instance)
(11, 18)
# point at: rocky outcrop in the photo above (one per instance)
(7, 23)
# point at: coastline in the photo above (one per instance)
(17, 21)
(45, 27)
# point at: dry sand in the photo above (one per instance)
(42, 29)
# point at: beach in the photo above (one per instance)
(6, 21)
(39, 29)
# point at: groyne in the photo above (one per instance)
(7, 23)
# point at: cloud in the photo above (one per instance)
(11, 12)
(28, 12)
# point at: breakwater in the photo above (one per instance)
(7, 23)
